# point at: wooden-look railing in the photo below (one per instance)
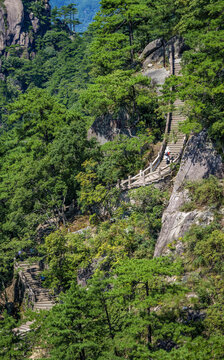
(25, 281)
(153, 173)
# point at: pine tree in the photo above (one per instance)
(114, 43)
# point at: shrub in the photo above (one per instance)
(205, 192)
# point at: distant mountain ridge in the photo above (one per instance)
(86, 10)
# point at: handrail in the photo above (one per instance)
(152, 167)
(143, 176)
(26, 283)
(160, 173)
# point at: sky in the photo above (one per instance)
(86, 10)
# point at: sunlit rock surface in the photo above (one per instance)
(199, 161)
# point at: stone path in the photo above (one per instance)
(38, 297)
(158, 169)
(30, 274)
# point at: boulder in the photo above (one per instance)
(155, 56)
(200, 160)
(151, 48)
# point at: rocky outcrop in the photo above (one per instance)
(151, 48)
(199, 161)
(106, 127)
(154, 52)
(19, 25)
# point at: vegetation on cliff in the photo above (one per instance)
(133, 306)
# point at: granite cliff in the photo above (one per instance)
(20, 23)
(199, 161)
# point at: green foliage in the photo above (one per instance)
(42, 153)
(115, 160)
(123, 94)
(201, 86)
(149, 204)
(76, 326)
(11, 346)
(207, 247)
(115, 25)
(93, 195)
(204, 192)
(199, 348)
(134, 306)
(64, 253)
(66, 15)
(131, 234)
(123, 156)
(73, 329)
(119, 89)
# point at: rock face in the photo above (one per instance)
(153, 54)
(151, 48)
(19, 26)
(105, 128)
(199, 161)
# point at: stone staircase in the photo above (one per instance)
(158, 169)
(43, 300)
(38, 297)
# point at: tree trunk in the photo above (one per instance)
(109, 323)
(149, 328)
(164, 53)
(131, 40)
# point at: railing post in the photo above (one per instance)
(143, 178)
(150, 167)
(160, 172)
(129, 181)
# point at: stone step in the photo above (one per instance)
(42, 298)
(23, 328)
(43, 306)
(177, 68)
(41, 292)
(175, 143)
(176, 124)
(43, 301)
(174, 149)
(178, 118)
(173, 146)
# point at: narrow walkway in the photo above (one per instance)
(158, 169)
(38, 298)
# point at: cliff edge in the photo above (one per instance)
(200, 160)
(21, 23)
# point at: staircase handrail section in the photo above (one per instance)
(26, 282)
(144, 175)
